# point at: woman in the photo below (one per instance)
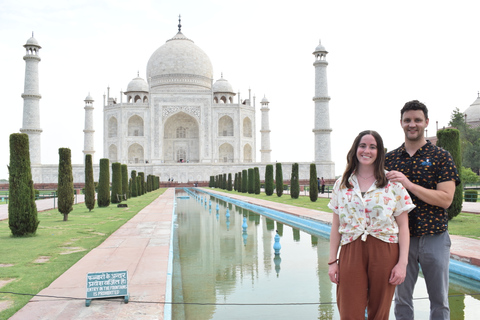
(370, 223)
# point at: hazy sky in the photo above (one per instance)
(381, 54)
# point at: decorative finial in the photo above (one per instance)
(478, 94)
(32, 34)
(222, 75)
(138, 74)
(179, 23)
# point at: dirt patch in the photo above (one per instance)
(5, 304)
(70, 250)
(42, 259)
(4, 282)
(4, 265)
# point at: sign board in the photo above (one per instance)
(107, 284)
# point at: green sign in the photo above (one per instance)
(107, 284)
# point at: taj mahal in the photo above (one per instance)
(178, 123)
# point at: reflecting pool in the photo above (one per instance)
(225, 267)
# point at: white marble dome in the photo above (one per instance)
(473, 113)
(32, 42)
(179, 62)
(137, 85)
(222, 86)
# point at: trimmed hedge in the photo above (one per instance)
(294, 183)
(116, 195)
(471, 195)
(104, 183)
(89, 183)
(279, 179)
(313, 183)
(269, 183)
(65, 182)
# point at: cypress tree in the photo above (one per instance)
(279, 179)
(65, 183)
(449, 139)
(257, 180)
(224, 181)
(103, 197)
(235, 182)
(125, 190)
(269, 184)
(229, 182)
(244, 181)
(294, 183)
(240, 183)
(116, 195)
(143, 190)
(22, 209)
(89, 183)
(313, 183)
(251, 181)
(133, 176)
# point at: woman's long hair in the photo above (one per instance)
(379, 164)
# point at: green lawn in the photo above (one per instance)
(34, 262)
(465, 224)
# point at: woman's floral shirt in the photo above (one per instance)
(372, 214)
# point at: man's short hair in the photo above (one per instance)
(414, 105)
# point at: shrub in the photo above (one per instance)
(116, 196)
(89, 183)
(22, 210)
(279, 179)
(142, 187)
(133, 176)
(449, 139)
(229, 182)
(125, 190)
(313, 183)
(294, 183)
(235, 182)
(104, 183)
(244, 181)
(257, 180)
(224, 181)
(65, 182)
(240, 183)
(251, 181)
(269, 184)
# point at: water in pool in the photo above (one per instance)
(224, 272)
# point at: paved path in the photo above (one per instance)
(141, 246)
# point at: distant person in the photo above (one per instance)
(370, 223)
(322, 183)
(429, 174)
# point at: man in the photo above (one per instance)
(430, 176)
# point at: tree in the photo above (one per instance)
(294, 183)
(143, 189)
(269, 183)
(22, 209)
(449, 139)
(235, 182)
(279, 179)
(117, 194)
(257, 180)
(89, 183)
(468, 176)
(103, 197)
(229, 182)
(224, 181)
(251, 181)
(240, 183)
(313, 183)
(244, 181)
(133, 176)
(125, 182)
(65, 183)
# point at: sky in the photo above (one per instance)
(381, 54)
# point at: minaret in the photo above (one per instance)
(88, 147)
(322, 118)
(265, 131)
(31, 100)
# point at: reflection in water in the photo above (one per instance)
(228, 265)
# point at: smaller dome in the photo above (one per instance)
(320, 47)
(137, 85)
(264, 100)
(222, 85)
(473, 112)
(89, 97)
(32, 42)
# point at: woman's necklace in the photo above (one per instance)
(365, 178)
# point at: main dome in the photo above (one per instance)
(179, 62)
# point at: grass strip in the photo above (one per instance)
(33, 263)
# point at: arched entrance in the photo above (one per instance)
(181, 139)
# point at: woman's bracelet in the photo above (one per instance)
(332, 262)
